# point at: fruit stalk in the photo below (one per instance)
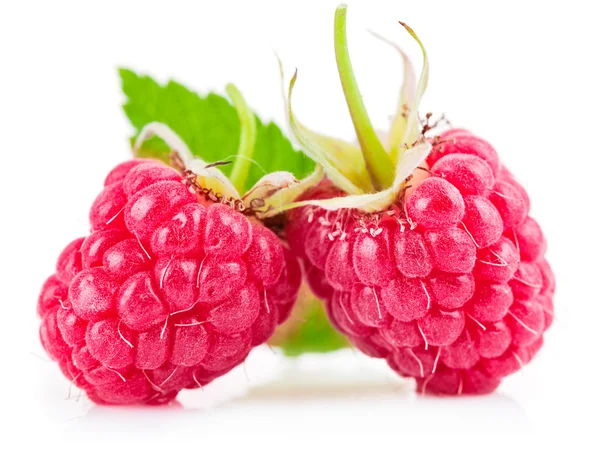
(377, 160)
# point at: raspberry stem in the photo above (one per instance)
(243, 160)
(377, 160)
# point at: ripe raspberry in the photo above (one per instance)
(449, 293)
(165, 293)
(440, 271)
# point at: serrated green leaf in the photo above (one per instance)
(273, 151)
(209, 125)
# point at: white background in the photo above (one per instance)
(522, 74)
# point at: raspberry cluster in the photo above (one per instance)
(450, 285)
(165, 293)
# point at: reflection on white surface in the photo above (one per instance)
(271, 394)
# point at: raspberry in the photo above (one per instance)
(421, 248)
(166, 292)
(458, 301)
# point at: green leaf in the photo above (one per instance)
(308, 330)
(209, 125)
(273, 151)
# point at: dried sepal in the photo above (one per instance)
(211, 177)
(330, 153)
(207, 177)
(167, 135)
(405, 99)
(281, 200)
(413, 125)
(267, 186)
(372, 202)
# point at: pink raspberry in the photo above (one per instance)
(168, 292)
(452, 288)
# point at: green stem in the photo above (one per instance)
(379, 163)
(242, 163)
